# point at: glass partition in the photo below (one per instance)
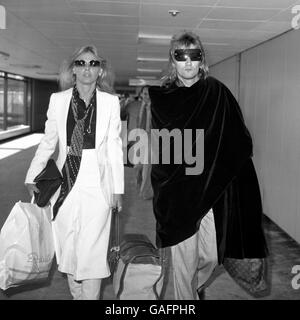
(16, 103)
(14, 113)
(2, 124)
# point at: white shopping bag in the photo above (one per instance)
(26, 245)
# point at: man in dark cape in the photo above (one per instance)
(228, 184)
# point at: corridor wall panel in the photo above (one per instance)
(227, 71)
(269, 95)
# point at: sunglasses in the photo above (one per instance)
(82, 63)
(183, 54)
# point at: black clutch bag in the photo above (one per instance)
(48, 181)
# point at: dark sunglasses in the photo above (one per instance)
(82, 63)
(193, 54)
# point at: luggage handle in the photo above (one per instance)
(116, 229)
(144, 244)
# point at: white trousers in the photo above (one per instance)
(194, 260)
(84, 290)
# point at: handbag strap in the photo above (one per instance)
(116, 230)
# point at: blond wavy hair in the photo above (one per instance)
(67, 79)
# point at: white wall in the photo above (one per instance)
(228, 72)
(269, 96)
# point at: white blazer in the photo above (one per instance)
(108, 128)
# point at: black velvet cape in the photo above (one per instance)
(228, 182)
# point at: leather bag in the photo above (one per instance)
(47, 181)
(137, 266)
(251, 274)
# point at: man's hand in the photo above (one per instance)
(117, 201)
(31, 187)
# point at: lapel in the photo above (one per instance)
(63, 113)
(103, 116)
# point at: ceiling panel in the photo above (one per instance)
(71, 42)
(20, 55)
(153, 49)
(116, 28)
(28, 38)
(256, 3)
(107, 19)
(226, 35)
(88, 1)
(155, 55)
(158, 15)
(159, 30)
(44, 32)
(109, 8)
(227, 24)
(274, 26)
(284, 15)
(131, 38)
(32, 4)
(242, 14)
(115, 47)
(44, 10)
(126, 41)
(63, 29)
(181, 2)
(47, 13)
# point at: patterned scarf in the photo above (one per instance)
(72, 163)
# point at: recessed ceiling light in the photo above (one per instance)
(155, 36)
(144, 82)
(152, 59)
(154, 39)
(146, 77)
(149, 70)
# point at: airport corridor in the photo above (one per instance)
(137, 216)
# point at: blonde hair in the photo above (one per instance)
(67, 78)
(184, 39)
